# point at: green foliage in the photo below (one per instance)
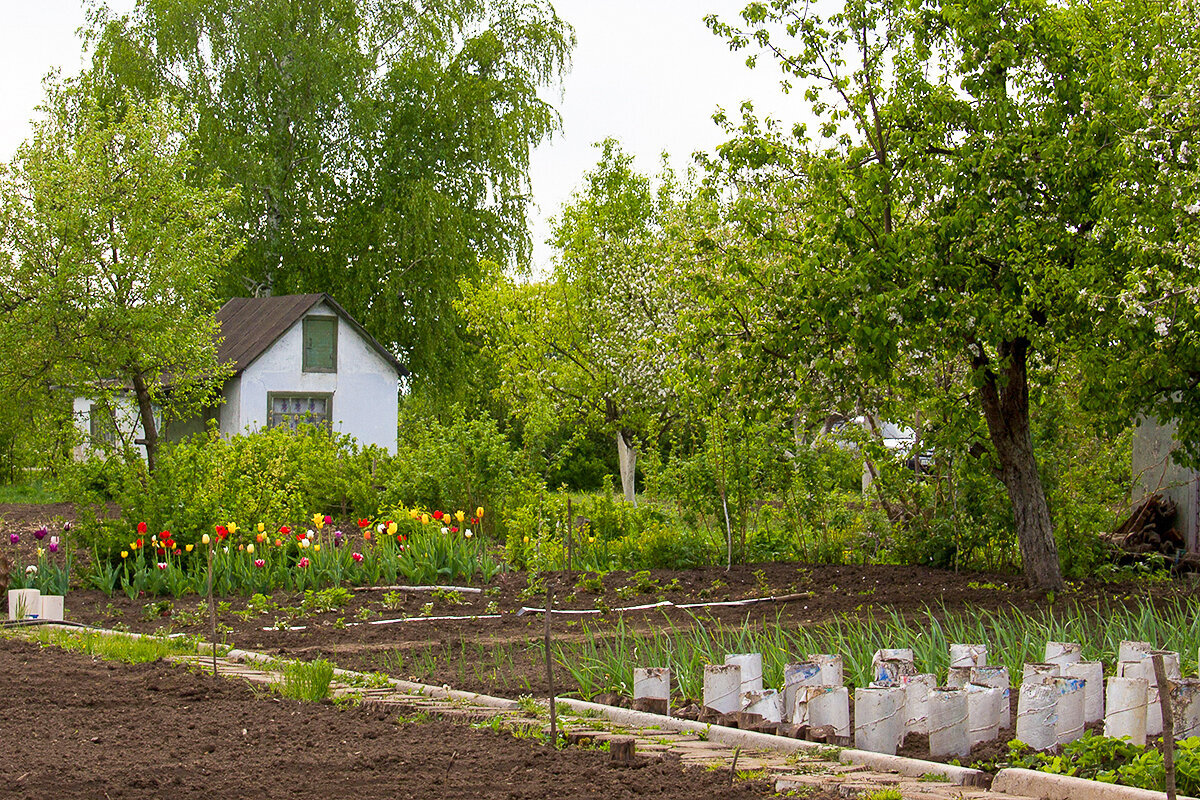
(306, 680)
(1115, 761)
(112, 262)
(382, 149)
(276, 475)
(460, 463)
(132, 650)
(605, 533)
(333, 598)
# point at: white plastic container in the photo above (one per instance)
(752, 670)
(832, 669)
(893, 664)
(968, 655)
(767, 704)
(830, 705)
(722, 688)
(1063, 653)
(949, 733)
(817, 706)
(52, 607)
(1185, 707)
(1037, 715)
(805, 673)
(651, 683)
(1133, 651)
(1126, 709)
(996, 677)
(24, 604)
(1068, 725)
(1093, 691)
(917, 692)
(878, 719)
(983, 712)
(958, 677)
(1039, 673)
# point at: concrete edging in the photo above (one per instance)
(1032, 783)
(909, 767)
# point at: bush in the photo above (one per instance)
(277, 476)
(460, 464)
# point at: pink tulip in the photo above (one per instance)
(304, 562)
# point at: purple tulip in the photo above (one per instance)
(66, 527)
(53, 546)
(338, 536)
(40, 533)
(13, 538)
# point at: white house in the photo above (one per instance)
(296, 359)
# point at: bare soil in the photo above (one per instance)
(79, 728)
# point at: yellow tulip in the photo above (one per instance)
(526, 540)
(261, 527)
(424, 519)
(133, 545)
(205, 539)
(189, 547)
(391, 529)
(232, 528)
(41, 551)
(318, 521)
(124, 554)
(460, 516)
(414, 514)
(316, 548)
(479, 513)
(250, 548)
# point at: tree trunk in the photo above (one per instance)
(627, 457)
(149, 428)
(1005, 403)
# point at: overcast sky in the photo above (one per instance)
(647, 72)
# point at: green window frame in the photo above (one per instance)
(320, 344)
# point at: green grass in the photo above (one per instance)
(306, 680)
(113, 647)
(604, 660)
(35, 491)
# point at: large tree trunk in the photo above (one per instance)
(1006, 409)
(149, 428)
(627, 457)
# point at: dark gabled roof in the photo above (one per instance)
(250, 325)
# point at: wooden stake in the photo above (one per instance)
(737, 751)
(1168, 733)
(212, 610)
(550, 668)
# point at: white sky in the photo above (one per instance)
(647, 72)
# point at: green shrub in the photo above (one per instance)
(461, 464)
(277, 476)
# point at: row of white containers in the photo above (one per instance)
(1057, 697)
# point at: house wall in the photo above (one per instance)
(1154, 471)
(364, 387)
(128, 421)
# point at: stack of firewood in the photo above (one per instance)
(1151, 529)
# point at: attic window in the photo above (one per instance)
(320, 344)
